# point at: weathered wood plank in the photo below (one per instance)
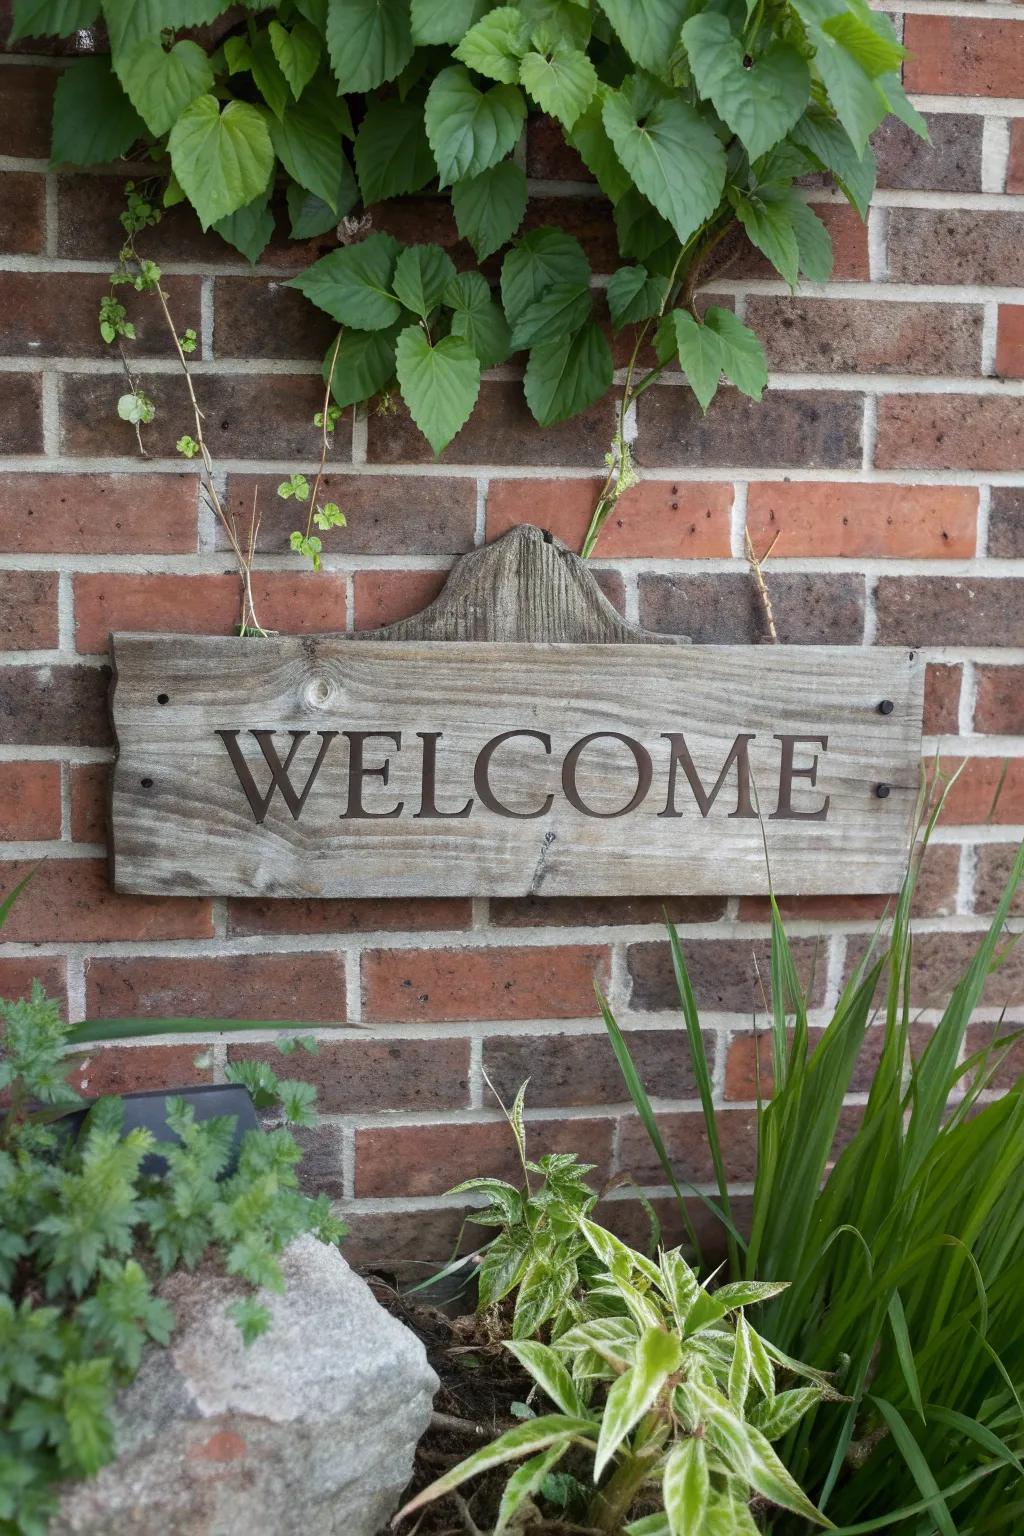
(537, 812)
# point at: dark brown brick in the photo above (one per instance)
(247, 416)
(548, 156)
(942, 682)
(728, 975)
(603, 911)
(368, 1076)
(500, 431)
(993, 863)
(416, 985)
(574, 1069)
(261, 317)
(848, 234)
(686, 1143)
(859, 336)
(411, 1160)
(806, 428)
(26, 107)
(138, 1069)
(951, 162)
(387, 514)
(338, 916)
(309, 989)
(749, 1072)
(53, 314)
(950, 610)
(1015, 166)
(956, 245)
(999, 704)
(322, 1168)
(589, 219)
(1007, 1054)
(28, 610)
(98, 514)
(55, 706)
(70, 901)
(21, 422)
(1006, 522)
(949, 432)
(22, 213)
(406, 1246)
(724, 608)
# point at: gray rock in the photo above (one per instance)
(310, 1430)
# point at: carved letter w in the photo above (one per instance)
(278, 771)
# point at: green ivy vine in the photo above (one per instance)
(694, 118)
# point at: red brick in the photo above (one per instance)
(21, 422)
(98, 514)
(789, 427)
(748, 1066)
(581, 1069)
(999, 704)
(22, 213)
(299, 603)
(687, 1145)
(17, 976)
(942, 681)
(412, 985)
(949, 610)
(304, 988)
(26, 108)
(1015, 167)
(90, 786)
(935, 896)
(955, 245)
(657, 518)
(138, 1069)
(727, 975)
(55, 706)
(411, 1160)
(53, 314)
(500, 431)
(949, 432)
(387, 514)
(603, 911)
(28, 610)
(30, 795)
(69, 901)
(962, 56)
(360, 1076)
(1010, 341)
(993, 863)
(815, 518)
(405, 1246)
(860, 336)
(339, 916)
(990, 789)
(384, 597)
(940, 960)
(1011, 1060)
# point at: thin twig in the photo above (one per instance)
(465, 1426)
(472, 1529)
(755, 565)
(324, 437)
(133, 385)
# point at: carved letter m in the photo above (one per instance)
(278, 771)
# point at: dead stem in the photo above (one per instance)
(755, 564)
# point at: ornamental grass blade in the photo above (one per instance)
(917, 1465)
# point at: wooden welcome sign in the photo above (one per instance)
(516, 737)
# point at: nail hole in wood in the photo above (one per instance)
(163, 698)
(146, 783)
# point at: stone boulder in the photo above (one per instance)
(311, 1429)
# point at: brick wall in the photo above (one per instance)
(888, 454)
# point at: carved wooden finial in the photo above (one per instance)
(527, 586)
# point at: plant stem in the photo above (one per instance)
(324, 437)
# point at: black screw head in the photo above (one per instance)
(163, 698)
(886, 707)
(883, 791)
(146, 783)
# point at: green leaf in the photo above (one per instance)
(477, 318)
(565, 376)
(559, 312)
(129, 21)
(829, 146)
(439, 383)
(470, 130)
(749, 1454)
(540, 258)
(297, 53)
(562, 82)
(307, 142)
(686, 1485)
(698, 349)
(634, 294)
(590, 140)
(759, 102)
(249, 229)
(635, 1391)
(743, 362)
(900, 105)
(93, 120)
(550, 1374)
(739, 1370)
(160, 83)
(814, 243)
(369, 41)
(777, 1417)
(876, 55)
(391, 150)
(353, 285)
(495, 45)
(365, 366)
(768, 221)
(649, 32)
(222, 159)
(489, 208)
(309, 215)
(444, 21)
(422, 273)
(266, 72)
(857, 100)
(917, 1465)
(643, 232)
(52, 18)
(672, 154)
(525, 1481)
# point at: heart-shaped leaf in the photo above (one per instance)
(760, 103)
(672, 153)
(439, 383)
(470, 130)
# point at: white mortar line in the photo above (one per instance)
(353, 990)
(360, 436)
(205, 320)
(989, 337)
(869, 431)
(984, 510)
(995, 152)
(870, 610)
(878, 229)
(65, 801)
(77, 1005)
(968, 697)
(738, 520)
(965, 887)
(480, 523)
(49, 415)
